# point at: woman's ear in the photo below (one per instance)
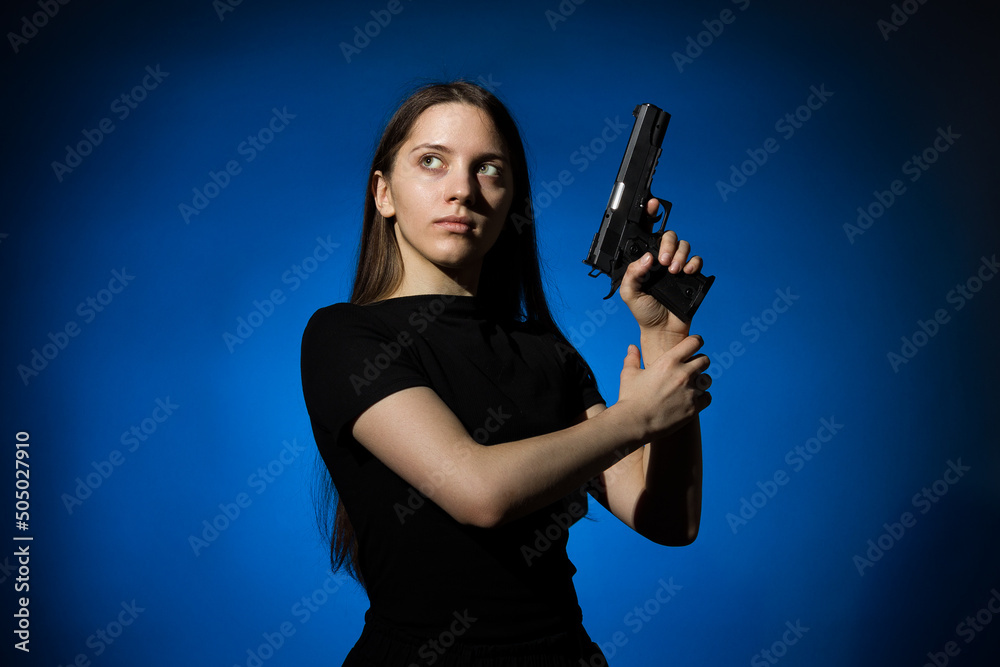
(383, 195)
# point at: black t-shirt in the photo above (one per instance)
(504, 382)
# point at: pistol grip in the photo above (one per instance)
(681, 292)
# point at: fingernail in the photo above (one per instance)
(675, 267)
(664, 257)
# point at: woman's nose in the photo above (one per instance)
(461, 187)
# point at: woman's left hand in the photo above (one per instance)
(648, 312)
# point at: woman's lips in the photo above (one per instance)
(454, 223)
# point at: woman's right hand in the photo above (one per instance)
(664, 396)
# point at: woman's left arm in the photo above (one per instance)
(656, 490)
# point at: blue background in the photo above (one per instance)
(162, 336)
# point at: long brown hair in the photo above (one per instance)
(510, 281)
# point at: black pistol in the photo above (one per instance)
(623, 236)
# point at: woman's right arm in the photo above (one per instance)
(418, 437)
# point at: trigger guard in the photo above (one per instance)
(666, 206)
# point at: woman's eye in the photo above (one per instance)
(489, 170)
(431, 162)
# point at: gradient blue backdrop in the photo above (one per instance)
(124, 551)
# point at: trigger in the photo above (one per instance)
(615, 284)
(666, 214)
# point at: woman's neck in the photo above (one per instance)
(422, 277)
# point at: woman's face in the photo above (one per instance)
(449, 191)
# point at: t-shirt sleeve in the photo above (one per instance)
(350, 361)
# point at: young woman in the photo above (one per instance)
(460, 429)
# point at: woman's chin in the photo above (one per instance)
(457, 256)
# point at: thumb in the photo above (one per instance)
(635, 275)
(632, 359)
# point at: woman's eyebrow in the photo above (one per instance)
(434, 147)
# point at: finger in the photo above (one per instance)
(703, 401)
(703, 381)
(631, 358)
(653, 208)
(635, 275)
(699, 363)
(684, 351)
(694, 264)
(668, 247)
(679, 257)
